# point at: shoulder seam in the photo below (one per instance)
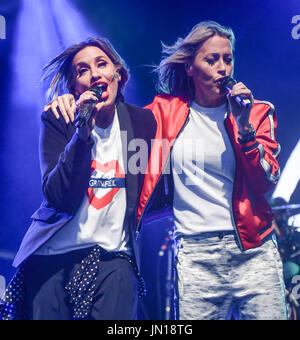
(265, 102)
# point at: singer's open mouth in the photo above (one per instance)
(104, 87)
(101, 84)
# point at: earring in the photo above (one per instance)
(188, 68)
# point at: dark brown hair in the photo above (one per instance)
(60, 69)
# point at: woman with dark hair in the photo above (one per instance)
(218, 158)
(62, 72)
(79, 258)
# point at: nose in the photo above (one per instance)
(222, 68)
(95, 74)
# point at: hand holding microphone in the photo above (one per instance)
(85, 119)
(240, 100)
(82, 111)
(228, 84)
(87, 102)
(66, 106)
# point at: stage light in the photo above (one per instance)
(41, 31)
(44, 29)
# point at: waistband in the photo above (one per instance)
(206, 235)
(221, 234)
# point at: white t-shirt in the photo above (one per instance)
(100, 218)
(203, 167)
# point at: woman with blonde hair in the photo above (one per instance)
(227, 261)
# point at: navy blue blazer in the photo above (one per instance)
(65, 162)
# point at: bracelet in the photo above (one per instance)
(248, 137)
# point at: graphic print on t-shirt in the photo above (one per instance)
(110, 184)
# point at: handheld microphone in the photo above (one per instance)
(227, 84)
(86, 109)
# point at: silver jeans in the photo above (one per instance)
(218, 281)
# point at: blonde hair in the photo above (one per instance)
(172, 76)
(60, 69)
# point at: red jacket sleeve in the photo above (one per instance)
(259, 158)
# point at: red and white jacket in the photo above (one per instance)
(257, 168)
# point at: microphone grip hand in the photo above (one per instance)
(84, 130)
(85, 126)
(240, 111)
(85, 114)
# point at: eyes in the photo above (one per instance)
(82, 70)
(215, 58)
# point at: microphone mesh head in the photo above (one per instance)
(227, 83)
(97, 89)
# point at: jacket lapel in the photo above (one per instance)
(127, 135)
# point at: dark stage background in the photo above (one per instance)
(267, 61)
